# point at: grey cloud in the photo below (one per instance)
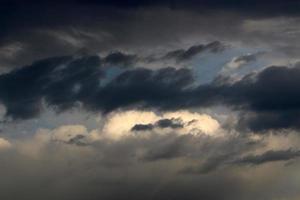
(168, 148)
(112, 170)
(219, 154)
(78, 140)
(120, 59)
(142, 127)
(169, 123)
(247, 58)
(269, 156)
(65, 81)
(210, 153)
(162, 123)
(182, 54)
(161, 165)
(68, 29)
(115, 169)
(209, 165)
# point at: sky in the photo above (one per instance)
(154, 100)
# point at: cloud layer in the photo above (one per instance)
(161, 99)
(67, 82)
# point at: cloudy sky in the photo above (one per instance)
(155, 100)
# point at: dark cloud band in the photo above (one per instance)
(269, 156)
(268, 99)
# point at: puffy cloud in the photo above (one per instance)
(195, 122)
(120, 124)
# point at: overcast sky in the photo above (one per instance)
(156, 100)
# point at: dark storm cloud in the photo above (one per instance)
(269, 156)
(143, 88)
(274, 7)
(120, 59)
(64, 81)
(99, 26)
(272, 97)
(268, 99)
(54, 79)
(263, 106)
(162, 123)
(182, 54)
(265, 120)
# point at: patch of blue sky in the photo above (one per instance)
(251, 67)
(208, 65)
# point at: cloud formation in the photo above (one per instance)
(162, 123)
(181, 55)
(66, 82)
(181, 122)
(156, 164)
(269, 156)
(240, 61)
(141, 99)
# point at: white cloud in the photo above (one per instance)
(119, 124)
(195, 122)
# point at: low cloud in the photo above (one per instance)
(83, 161)
(269, 156)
